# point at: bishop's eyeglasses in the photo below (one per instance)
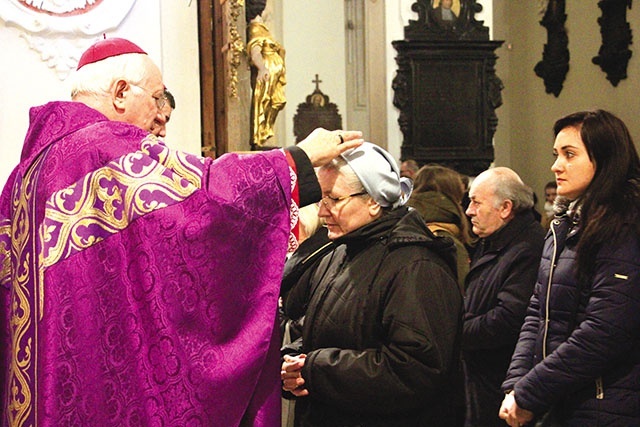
(160, 100)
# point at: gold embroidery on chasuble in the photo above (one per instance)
(102, 203)
(107, 200)
(5, 251)
(26, 296)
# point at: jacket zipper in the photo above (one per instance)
(599, 382)
(599, 389)
(546, 304)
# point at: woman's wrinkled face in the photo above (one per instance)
(342, 208)
(573, 168)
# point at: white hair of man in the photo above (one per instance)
(97, 78)
(507, 185)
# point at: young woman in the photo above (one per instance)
(577, 362)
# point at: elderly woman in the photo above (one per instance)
(380, 341)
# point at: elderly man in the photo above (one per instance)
(159, 127)
(499, 285)
(139, 284)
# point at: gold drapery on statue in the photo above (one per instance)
(267, 55)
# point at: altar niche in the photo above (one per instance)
(446, 87)
(317, 111)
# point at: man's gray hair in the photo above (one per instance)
(507, 185)
(96, 78)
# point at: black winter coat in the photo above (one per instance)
(302, 262)
(499, 285)
(585, 363)
(382, 328)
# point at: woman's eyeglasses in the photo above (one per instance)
(331, 202)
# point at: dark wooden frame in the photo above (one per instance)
(426, 27)
(554, 66)
(447, 91)
(212, 77)
(614, 54)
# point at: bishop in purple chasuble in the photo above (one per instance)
(139, 284)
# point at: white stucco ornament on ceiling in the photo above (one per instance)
(60, 30)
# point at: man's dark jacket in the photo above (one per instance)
(499, 285)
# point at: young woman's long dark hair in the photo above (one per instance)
(611, 203)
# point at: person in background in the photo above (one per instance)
(409, 168)
(437, 196)
(537, 215)
(314, 244)
(136, 279)
(380, 341)
(159, 127)
(465, 196)
(499, 285)
(550, 193)
(577, 361)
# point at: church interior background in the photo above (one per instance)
(346, 42)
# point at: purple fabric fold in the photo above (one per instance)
(151, 292)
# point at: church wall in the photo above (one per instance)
(313, 35)
(167, 30)
(524, 138)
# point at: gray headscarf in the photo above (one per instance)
(379, 174)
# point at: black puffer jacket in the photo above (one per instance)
(499, 286)
(382, 328)
(585, 364)
(297, 268)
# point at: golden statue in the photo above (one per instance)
(267, 55)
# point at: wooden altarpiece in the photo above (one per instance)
(316, 111)
(446, 87)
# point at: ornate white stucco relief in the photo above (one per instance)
(60, 30)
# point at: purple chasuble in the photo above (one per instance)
(139, 283)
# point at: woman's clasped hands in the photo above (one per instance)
(291, 375)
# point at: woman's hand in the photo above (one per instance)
(512, 413)
(291, 375)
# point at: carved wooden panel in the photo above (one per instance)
(431, 25)
(447, 94)
(214, 117)
(317, 111)
(446, 87)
